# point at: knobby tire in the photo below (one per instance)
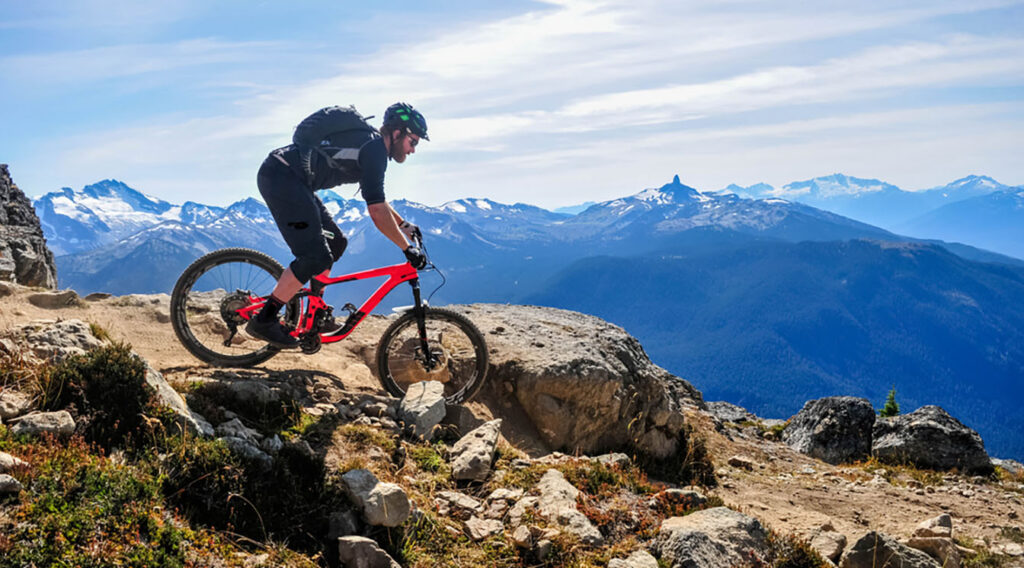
(465, 372)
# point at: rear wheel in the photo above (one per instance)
(206, 300)
(457, 354)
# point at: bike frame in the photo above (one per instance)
(314, 302)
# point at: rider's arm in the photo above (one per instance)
(398, 218)
(373, 160)
(384, 218)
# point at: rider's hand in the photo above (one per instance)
(415, 257)
(410, 230)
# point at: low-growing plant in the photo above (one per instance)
(99, 332)
(1013, 534)
(427, 457)
(787, 551)
(106, 390)
(982, 557)
(893, 473)
(18, 371)
(363, 437)
(82, 509)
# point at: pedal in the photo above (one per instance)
(310, 343)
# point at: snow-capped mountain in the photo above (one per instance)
(103, 213)
(515, 222)
(870, 200)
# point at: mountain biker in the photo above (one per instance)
(288, 180)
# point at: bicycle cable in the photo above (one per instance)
(438, 270)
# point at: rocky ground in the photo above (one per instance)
(758, 475)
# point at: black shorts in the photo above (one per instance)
(308, 229)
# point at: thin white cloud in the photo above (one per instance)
(99, 64)
(567, 89)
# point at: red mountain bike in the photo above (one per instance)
(218, 293)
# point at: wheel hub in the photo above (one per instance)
(230, 305)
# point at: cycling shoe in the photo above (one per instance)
(272, 332)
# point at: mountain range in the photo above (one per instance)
(720, 288)
(877, 202)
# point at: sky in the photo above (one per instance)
(551, 103)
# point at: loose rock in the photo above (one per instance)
(9, 485)
(54, 300)
(423, 407)
(362, 552)
(472, 455)
(9, 462)
(13, 404)
(480, 529)
(383, 504)
(941, 526)
(57, 423)
(639, 559)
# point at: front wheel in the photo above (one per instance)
(456, 354)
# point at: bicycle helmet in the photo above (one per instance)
(402, 115)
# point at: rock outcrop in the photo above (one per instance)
(835, 429)
(710, 539)
(877, 550)
(930, 438)
(586, 384)
(24, 257)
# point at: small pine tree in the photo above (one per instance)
(891, 408)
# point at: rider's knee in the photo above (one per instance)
(337, 246)
(306, 266)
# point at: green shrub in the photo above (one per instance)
(106, 389)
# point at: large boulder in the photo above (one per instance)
(24, 256)
(930, 438)
(711, 538)
(586, 384)
(878, 550)
(835, 429)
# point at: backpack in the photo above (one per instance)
(312, 132)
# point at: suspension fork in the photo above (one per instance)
(419, 312)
